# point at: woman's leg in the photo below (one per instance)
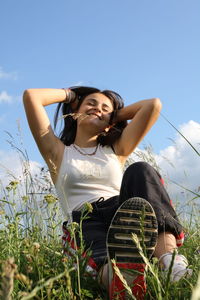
(166, 244)
(94, 231)
(142, 180)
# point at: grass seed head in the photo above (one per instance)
(8, 270)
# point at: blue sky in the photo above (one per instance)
(141, 49)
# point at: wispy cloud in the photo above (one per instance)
(7, 75)
(79, 83)
(181, 163)
(5, 97)
(12, 168)
(179, 166)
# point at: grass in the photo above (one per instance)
(32, 264)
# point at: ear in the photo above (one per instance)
(74, 105)
(108, 128)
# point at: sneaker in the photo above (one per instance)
(179, 269)
(137, 216)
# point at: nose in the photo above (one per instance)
(97, 108)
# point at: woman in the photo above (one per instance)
(86, 166)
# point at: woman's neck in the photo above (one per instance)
(84, 140)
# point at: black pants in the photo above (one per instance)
(139, 180)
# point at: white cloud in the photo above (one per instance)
(13, 168)
(31, 180)
(7, 75)
(181, 164)
(4, 97)
(79, 83)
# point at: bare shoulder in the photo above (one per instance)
(122, 158)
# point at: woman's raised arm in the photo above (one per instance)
(49, 145)
(143, 115)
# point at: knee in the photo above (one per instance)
(139, 166)
(142, 168)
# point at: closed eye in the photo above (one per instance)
(92, 103)
(105, 107)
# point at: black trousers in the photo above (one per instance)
(139, 180)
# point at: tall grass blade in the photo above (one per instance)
(180, 134)
(196, 290)
(123, 280)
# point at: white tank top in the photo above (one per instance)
(84, 178)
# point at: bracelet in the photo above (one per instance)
(69, 95)
(67, 98)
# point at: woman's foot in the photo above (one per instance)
(137, 216)
(180, 266)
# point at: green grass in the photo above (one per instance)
(32, 264)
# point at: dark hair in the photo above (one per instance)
(68, 134)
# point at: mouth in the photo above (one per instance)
(99, 117)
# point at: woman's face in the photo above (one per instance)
(97, 108)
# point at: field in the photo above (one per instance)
(33, 265)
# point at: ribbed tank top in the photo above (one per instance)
(84, 178)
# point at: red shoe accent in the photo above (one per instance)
(138, 286)
(180, 239)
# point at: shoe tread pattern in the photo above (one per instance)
(127, 220)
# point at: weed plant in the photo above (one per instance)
(32, 263)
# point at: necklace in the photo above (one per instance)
(85, 153)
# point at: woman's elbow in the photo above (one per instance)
(27, 95)
(157, 104)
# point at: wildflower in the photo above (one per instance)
(49, 198)
(25, 198)
(23, 278)
(36, 247)
(74, 226)
(65, 259)
(11, 226)
(29, 258)
(12, 185)
(29, 269)
(2, 212)
(88, 207)
(26, 242)
(23, 294)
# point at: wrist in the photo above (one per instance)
(70, 95)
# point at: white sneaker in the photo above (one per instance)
(180, 266)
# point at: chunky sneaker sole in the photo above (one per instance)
(137, 216)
